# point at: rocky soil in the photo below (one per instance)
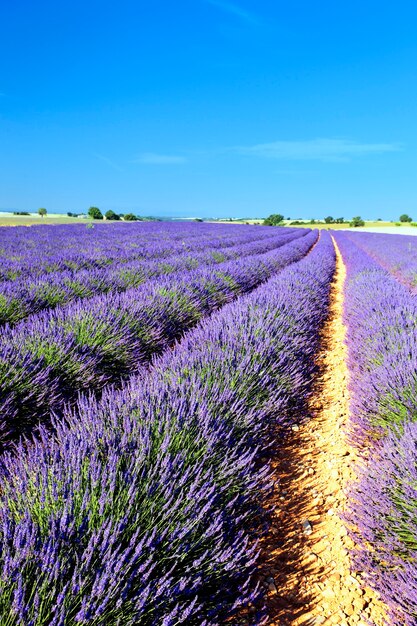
(307, 569)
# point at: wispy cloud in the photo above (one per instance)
(105, 159)
(234, 9)
(152, 158)
(315, 149)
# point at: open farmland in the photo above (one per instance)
(207, 424)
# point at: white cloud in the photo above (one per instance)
(112, 164)
(233, 9)
(315, 149)
(152, 158)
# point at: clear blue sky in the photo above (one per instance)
(209, 107)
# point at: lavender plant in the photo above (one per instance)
(395, 253)
(26, 296)
(88, 344)
(385, 511)
(40, 250)
(381, 316)
(145, 506)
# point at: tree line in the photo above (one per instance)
(276, 219)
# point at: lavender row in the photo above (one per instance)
(395, 253)
(381, 317)
(146, 506)
(38, 250)
(26, 296)
(48, 358)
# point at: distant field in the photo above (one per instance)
(236, 221)
(377, 225)
(8, 219)
(395, 227)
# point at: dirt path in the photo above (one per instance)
(307, 568)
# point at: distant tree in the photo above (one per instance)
(69, 214)
(198, 219)
(340, 220)
(357, 221)
(129, 217)
(313, 221)
(405, 218)
(111, 215)
(20, 213)
(42, 212)
(273, 220)
(288, 219)
(379, 219)
(329, 220)
(95, 213)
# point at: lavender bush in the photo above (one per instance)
(28, 295)
(381, 316)
(395, 253)
(29, 252)
(88, 344)
(384, 508)
(146, 505)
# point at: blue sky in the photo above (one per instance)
(209, 107)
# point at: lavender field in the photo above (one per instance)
(150, 374)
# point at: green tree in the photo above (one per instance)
(95, 213)
(405, 218)
(329, 220)
(273, 220)
(129, 217)
(42, 212)
(340, 220)
(111, 215)
(357, 221)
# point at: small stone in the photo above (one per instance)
(359, 604)
(307, 528)
(335, 577)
